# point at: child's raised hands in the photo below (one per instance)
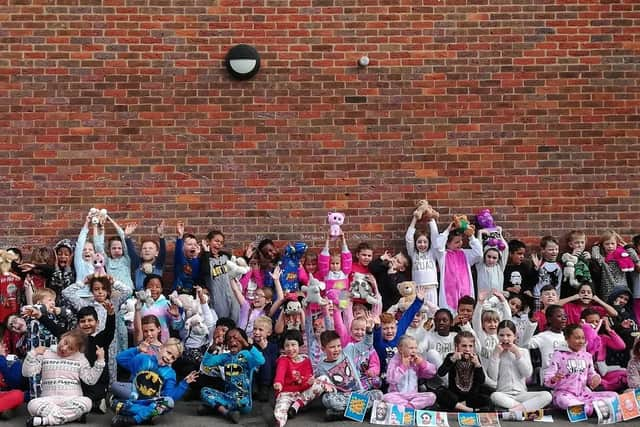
(421, 292)
(250, 250)
(180, 229)
(160, 229)
(201, 295)
(205, 245)
(275, 275)
(386, 256)
(144, 347)
(130, 228)
(369, 321)
(100, 353)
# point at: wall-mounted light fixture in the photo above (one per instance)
(363, 61)
(242, 61)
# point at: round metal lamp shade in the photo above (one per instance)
(242, 61)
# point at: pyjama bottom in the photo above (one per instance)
(530, 400)
(338, 401)
(229, 401)
(286, 399)
(563, 399)
(413, 400)
(56, 410)
(448, 399)
(143, 409)
(10, 399)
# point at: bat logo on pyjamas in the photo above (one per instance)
(576, 366)
(148, 383)
(233, 369)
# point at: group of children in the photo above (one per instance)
(460, 320)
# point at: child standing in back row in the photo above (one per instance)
(423, 259)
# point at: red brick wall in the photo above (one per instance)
(528, 107)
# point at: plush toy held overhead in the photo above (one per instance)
(460, 222)
(313, 292)
(335, 219)
(493, 235)
(424, 208)
(622, 258)
(98, 265)
(97, 216)
(144, 297)
(237, 267)
(361, 290)
(569, 271)
(188, 303)
(290, 264)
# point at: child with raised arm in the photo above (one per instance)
(61, 371)
(186, 264)
(572, 376)
(117, 261)
(455, 263)
(548, 268)
(423, 260)
(152, 254)
(387, 331)
(490, 269)
(213, 272)
(403, 372)
(511, 366)
(63, 274)
(334, 270)
(83, 253)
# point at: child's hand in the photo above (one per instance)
(275, 275)
(160, 229)
(535, 260)
(499, 294)
(277, 387)
(370, 278)
(416, 360)
(39, 351)
(108, 305)
(144, 347)
(205, 245)
(369, 322)
(250, 250)
(386, 256)
(376, 320)
(130, 228)
(470, 231)
(475, 360)
(421, 292)
(174, 310)
(456, 356)
(595, 381)
(180, 230)
(627, 323)
(406, 360)
(100, 353)
(3, 350)
(586, 255)
(557, 377)
(192, 377)
(201, 295)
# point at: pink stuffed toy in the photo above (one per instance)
(98, 265)
(494, 236)
(622, 258)
(336, 219)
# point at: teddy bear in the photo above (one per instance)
(313, 292)
(491, 233)
(196, 327)
(361, 290)
(290, 264)
(425, 208)
(407, 291)
(98, 265)
(144, 297)
(128, 311)
(237, 267)
(97, 216)
(569, 271)
(189, 304)
(622, 258)
(335, 219)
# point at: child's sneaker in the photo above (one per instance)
(333, 415)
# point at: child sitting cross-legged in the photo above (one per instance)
(294, 384)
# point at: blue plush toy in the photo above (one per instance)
(289, 264)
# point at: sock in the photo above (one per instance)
(297, 405)
(38, 421)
